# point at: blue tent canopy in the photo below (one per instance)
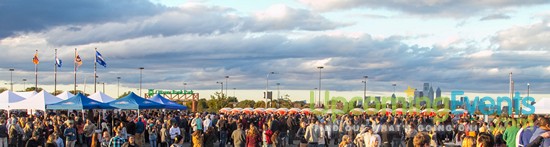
(168, 104)
(78, 102)
(134, 102)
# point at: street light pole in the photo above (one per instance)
(226, 85)
(24, 84)
(528, 88)
(184, 87)
(278, 91)
(140, 78)
(365, 88)
(320, 68)
(221, 90)
(394, 88)
(118, 86)
(266, 87)
(103, 87)
(234, 89)
(11, 78)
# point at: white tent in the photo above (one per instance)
(7, 98)
(27, 94)
(36, 102)
(541, 106)
(101, 97)
(65, 95)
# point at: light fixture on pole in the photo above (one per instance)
(140, 78)
(11, 78)
(319, 101)
(267, 87)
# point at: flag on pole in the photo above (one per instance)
(78, 61)
(99, 59)
(58, 62)
(35, 58)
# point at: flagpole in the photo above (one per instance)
(36, 75)
(75, 71)
(55, 74)
(95, 71)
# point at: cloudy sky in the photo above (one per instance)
(468, 45)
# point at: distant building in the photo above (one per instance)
(437, 93)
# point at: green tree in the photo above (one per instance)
(32, 89)
(246, 104)
(259, 104)
(124, 94)
(57, 92)
(202, 105)
(2, 89)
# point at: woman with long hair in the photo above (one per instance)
(51, 142)
(95, 140)
(253, 137)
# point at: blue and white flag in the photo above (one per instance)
(58, 62)
(99, 59)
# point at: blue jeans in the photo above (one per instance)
(153, 142)
(223, 138)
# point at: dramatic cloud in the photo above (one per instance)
(192, 18)
(32, 16)
(524, 38)
(449, 8)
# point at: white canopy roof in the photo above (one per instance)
(541, 106)
(101, 97)
(27, 94)
(36, 102)
(65, 95)
(7, 98)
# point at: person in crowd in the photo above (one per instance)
(152, 130)
(209, 137)
(468, 141)
(33, 141)
(174, 131)
(266, 136)
(239, 137)
(178, 141)
(510, 134)
(197, 123)
(485, 140)
(528, 129)
(89, 129)
(140, 129)
(197, 138)
(70, 135)
(346, 142)
(105, 139)
(421, 140)
(223, 130)
(312, 133)
(118, 140)
(51, 141)
(544, 126)
(95, 142)
(131, 142)
(130, 127)
(164, 136)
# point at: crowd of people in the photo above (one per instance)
(162, 129)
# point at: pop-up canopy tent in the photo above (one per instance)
(541, 106)
(134, 102)
(27, 94)
(65, 95)
(101, 97)
(168, 104)
(78, 102)
(7, 98)
(36, 102)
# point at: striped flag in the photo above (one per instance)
(35, 58)
(58, 62)
(99, 59)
